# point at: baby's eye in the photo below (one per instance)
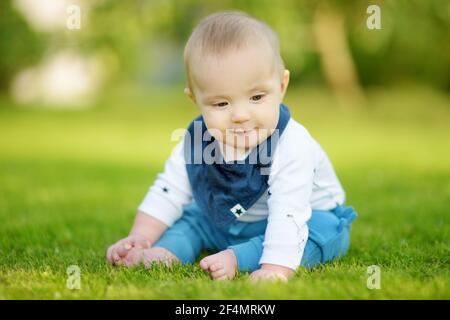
(257, 97)
(220, 104)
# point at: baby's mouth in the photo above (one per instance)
(242, 132)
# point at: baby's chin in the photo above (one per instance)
(243, 147)
(249, 142)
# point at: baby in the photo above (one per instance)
(247, 181)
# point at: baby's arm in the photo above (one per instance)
(290, 185)
(148, 227)
(161, 207)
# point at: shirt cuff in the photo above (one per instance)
(282, 255)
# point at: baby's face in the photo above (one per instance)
(239, 95)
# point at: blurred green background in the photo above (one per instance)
(86, 117)
(140, 43)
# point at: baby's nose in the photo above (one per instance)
(240, 114)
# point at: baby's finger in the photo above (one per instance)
(116, 258)
(127, 245)
(133, 258)
(280, 277)
(112, 251)
(255, 276)
(123, 249)
(118, 262)
(113, 254)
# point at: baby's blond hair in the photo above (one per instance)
(223, 31)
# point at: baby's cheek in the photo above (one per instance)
(215, 120)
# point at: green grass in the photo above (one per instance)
(70, 183)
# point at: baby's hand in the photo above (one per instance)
(271, 272)
(127, 251)
(134, 257)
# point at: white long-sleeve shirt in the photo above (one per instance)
(301, 179)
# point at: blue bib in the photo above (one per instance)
(226, 190)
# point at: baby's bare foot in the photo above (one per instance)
(221, 266)
(159, 255)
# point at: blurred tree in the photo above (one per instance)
(337, 61)
(410, 31)
(132, 37)
(19, 45)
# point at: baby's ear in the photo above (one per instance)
(285, 82)
(188, 92)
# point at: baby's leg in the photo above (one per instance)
(245, 256)
(182, 242)
(329, 235)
